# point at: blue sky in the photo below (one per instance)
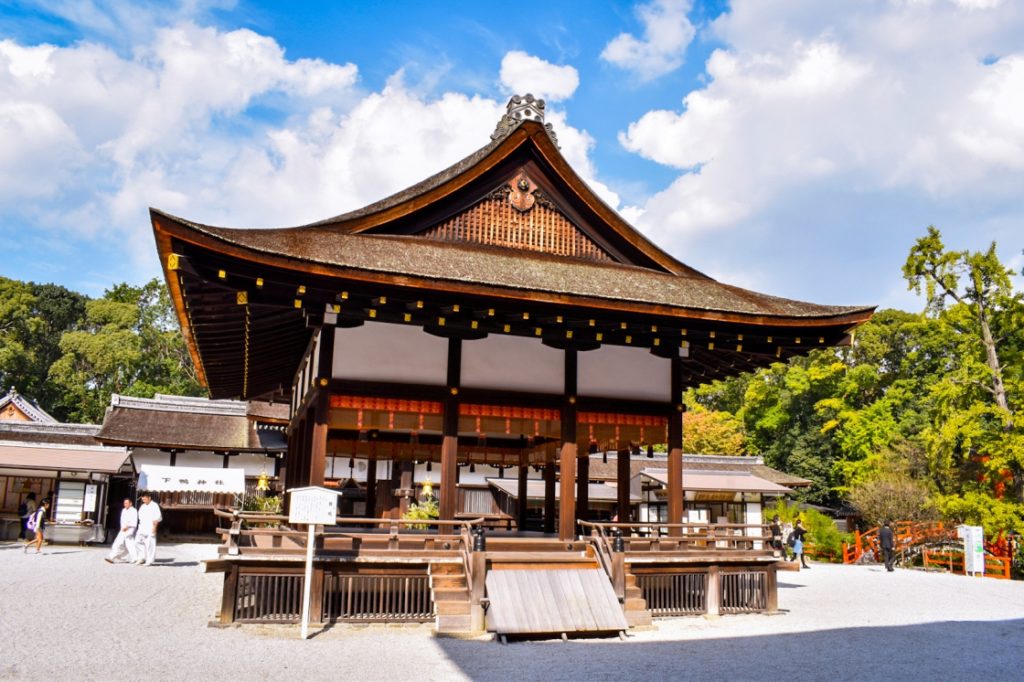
(793, 147)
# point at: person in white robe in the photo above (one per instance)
(124, 543)
(149, 518)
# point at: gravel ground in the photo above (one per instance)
(68, 615)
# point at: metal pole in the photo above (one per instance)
(307, 583)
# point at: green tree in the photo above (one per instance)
(32, 319)
(708, 432)
(975, 401)
(127, 344)
(18, 324)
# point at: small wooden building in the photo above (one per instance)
(65, 463)
(198, 438)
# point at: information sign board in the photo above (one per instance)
(313, 505)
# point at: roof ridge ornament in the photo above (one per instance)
(522, 108)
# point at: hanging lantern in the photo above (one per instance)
(428, 489)
(263, 483)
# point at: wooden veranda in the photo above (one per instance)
(391, 570)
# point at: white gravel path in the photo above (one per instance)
(68, 615)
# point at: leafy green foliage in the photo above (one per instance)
(70, 353)
(266, 505)
(712, 433)
(424, 510)
(919, 416)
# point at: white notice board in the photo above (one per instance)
(89, 503)
(313, 506)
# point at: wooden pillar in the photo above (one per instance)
(318, 447)
(567, 454)
(549, 497)
(583, 487)
(228, 596)
(675, 448)
(448, 500)
(371, 485)
(396, 487)
(322, 406)
(524, 472)
(771, 586)
(622, 481)
(406, 489)
(714, 592)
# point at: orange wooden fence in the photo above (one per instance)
(995, 566)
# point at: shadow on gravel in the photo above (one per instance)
(791, 586)
(171, 563)
(946, 650)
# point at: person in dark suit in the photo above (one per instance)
(887, 541)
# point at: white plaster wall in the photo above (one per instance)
(622, 372)
(397, 353)
(513, 363)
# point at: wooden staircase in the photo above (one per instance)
(454, 612)
(635, 606)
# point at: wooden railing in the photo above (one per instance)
(953, 561)
(907, 534)
(377, 598)
(675, 594)
(255, 533)
(689, 537)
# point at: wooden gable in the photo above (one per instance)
(519, 215)
(11, 412)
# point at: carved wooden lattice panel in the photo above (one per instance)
(496, 222)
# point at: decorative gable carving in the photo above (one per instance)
(518, 215)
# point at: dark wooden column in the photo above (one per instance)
(524, 472)
(371, 484)
(549, 497)
(448, 501)
(675, 448)
(583, 486)
(405, 486)
(322, 409)
(567, 454)
(622, 481)
(396, 484)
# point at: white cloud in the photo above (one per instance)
(522, 73)
(667, 33)
(93, 137)
(818, 120)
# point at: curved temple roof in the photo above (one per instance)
(395, 245)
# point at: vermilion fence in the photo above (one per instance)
(914, 537)
(995, 566)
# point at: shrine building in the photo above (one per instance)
(498, 313)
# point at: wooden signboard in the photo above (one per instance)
(313, 506)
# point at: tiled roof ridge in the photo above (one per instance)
(187, 404)
(49, 428)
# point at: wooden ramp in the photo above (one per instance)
(552, 602)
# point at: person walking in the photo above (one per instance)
(798, 543)
(776, 530)
(887, 541)
(124, 543)
(37, 524)
(149, 518)
(25, 511)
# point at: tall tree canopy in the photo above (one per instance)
(128, 342)
(920, 414)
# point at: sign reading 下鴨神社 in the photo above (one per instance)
(158, 478)
(313, 506)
